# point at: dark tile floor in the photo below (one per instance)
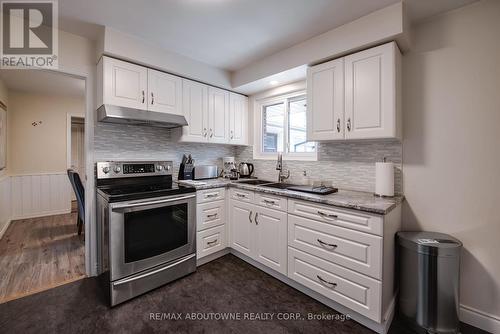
(224, 285)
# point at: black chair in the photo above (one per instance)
(77, 185)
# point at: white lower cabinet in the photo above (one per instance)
(259, 232)
(353, 290)
(270, 238)
(344, 255)
(210, 241)
(242, 227)
(210, 222)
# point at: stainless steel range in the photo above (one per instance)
(147, 224)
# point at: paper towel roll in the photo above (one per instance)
(384, 179)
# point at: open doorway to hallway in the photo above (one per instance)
(40, 247)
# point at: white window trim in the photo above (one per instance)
(257, 145)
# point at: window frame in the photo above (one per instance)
(258, 149)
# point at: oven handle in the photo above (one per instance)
(135, 278)
(133, 205)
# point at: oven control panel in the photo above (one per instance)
(116, 169)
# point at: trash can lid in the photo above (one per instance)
(431, 243)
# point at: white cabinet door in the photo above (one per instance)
(242, 227)
(370, 93)
(195, 106)
(124, 84)
(271, 238)
(325, 101)
(238, 119)
(164, 92)
(218, 115)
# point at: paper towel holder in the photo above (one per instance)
(384, 160)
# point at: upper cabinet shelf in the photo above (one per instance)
(214, 115)
(356, 97)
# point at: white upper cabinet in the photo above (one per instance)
(214, 115)
(124, 84)
(218, 115)
(238, 119)
(371, 90)
(164, 92)
(195, 106)
(356, 97)
(325, 104)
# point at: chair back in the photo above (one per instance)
(77, 185)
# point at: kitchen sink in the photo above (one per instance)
(278, 185)
(254, 182)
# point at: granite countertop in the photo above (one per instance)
(350, 199)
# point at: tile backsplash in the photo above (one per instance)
(132, 142)
(349, 165)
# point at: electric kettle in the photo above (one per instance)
(245, 169)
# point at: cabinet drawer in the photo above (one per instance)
(242, 195)
(354, 250)
(346, 218)
(271, 201)
(210, 241)
(210, 195)
(355, 291)
(210, 214)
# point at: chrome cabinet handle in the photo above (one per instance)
(250, 216)
(327, 215)
(152, 98)
(232, 134)
(210, 243)
(349, 124)
(338, 125)
(322, 280)
(143, 96)
(322, 243)
(240, 195)
(256, 221)
(211, 195)
(214, 215)
(211, 133)
(205, 132)
(269, 202)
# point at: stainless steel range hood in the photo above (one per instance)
(116, 114)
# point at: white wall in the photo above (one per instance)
(451, 144)
(39, 149)
(127, 47)
(381, 26)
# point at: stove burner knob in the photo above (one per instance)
(117, 169)
(159, 168)
(105, 170)
(168, 167)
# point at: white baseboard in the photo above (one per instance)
(480, 319)
(4, 229)
(43, 214)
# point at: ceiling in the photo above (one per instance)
(43, 82)
(228, 34)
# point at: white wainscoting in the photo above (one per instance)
(40, 195)
(5, 204)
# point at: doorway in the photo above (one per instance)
(39, 245)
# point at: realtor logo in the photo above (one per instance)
(29, 34)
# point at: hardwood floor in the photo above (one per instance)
(38, 254)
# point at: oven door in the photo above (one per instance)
(150, 232)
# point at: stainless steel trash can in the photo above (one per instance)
(429, 268)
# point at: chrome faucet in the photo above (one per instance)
(279, 166)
